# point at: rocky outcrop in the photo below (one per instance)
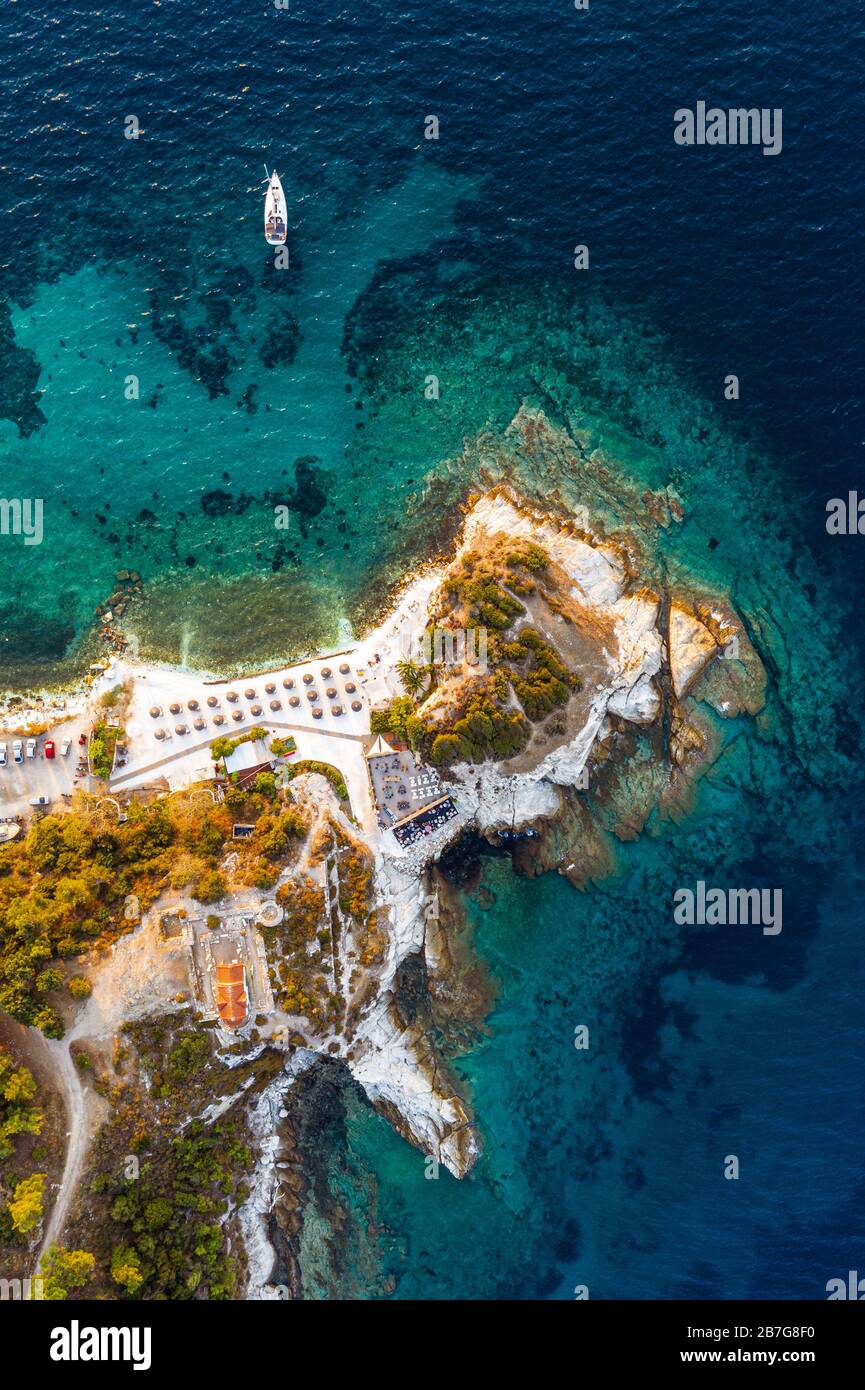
(565, 807)
(391, 1056)
(404, 1078)
(690, 646)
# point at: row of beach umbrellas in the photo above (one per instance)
(237, 715)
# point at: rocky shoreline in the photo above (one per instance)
(645, 742)
(661, 668)
(571, 806)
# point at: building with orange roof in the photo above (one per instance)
(232, 1001)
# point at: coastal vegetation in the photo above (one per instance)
(483, 728)
(164, 1226)
(20, 1116)
(395, 719)
(107, 731)
(163, 1188)
(305, 950)
(412, 675)
(18, 1112)
(474, 710)
(64, 887)
(62, 1270)
(25, 1204)
(298, 959)
(222, 748)
(103, 742)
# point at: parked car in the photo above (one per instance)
(49, 748)
(2, 754)
(16, 751)
(31, 748)
(65, 746)
(82, 738)
(39, 801)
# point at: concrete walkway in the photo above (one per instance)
(341, 750)
(184, 752)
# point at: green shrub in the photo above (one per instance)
(445, 749)
(415, 730)
(210, 886)
(103, 741)
(187, 1058)
(394, 718)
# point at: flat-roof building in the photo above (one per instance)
(248, 760)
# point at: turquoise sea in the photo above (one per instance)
(163, 386)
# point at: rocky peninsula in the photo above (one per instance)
(564, 691)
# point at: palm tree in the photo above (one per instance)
(411, 675)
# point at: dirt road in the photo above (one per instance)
(69, 1083)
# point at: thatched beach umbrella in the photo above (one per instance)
(356, 705)
(175, 708)
(219, 719)
(192, 704)
(288, 683)
(308, 678)
(181, 729)
(237, 715)
(326, 671)
(330, 693)
(249, 693)
(159, 733)
(344, 668)
(350, 687)
(231, 695)
(312, 695)
(198, 723)
(255, 709)
(294, 701)
(155, 711)
(336, 709)
(316, 713)
(270, 687)
(274, 704)
(212, 701)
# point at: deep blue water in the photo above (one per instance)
(555, 129)
(749, 261)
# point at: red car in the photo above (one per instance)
(82, 738)
(49, 748)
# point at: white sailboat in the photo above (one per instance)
(275, 220)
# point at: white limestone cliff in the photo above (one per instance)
(392, 1061)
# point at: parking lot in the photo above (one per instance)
(53, 778)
